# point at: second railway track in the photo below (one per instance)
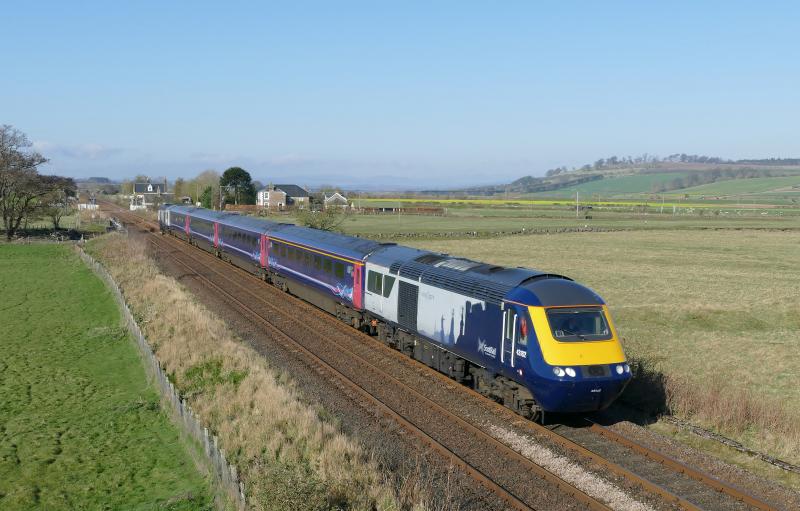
(361, 367)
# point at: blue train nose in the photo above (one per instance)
(585, 395)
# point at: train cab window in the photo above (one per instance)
(339, 270)
(578, 324)
(328, 266)
(388, 283)
(374, 282)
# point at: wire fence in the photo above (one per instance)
(224, 472)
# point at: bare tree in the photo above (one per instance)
(22, 188)
(55, 204)
(329, 219)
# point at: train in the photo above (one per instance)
(534, 341)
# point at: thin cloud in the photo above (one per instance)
(92, 152)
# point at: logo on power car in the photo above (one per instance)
(489, 351)
(596, 390)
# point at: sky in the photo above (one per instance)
(414, 94)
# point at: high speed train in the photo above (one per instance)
(534, 341)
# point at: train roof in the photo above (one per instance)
(347, 246)
(483, 281)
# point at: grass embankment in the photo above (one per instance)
(290, 455)
(80, 428)
(715, 312)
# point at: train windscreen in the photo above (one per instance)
(578, 324)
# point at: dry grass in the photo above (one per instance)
(288, 455)
(714, 313)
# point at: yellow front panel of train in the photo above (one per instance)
(575, 353)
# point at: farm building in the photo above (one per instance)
(295, 195)
(336, 200)
(280, 196)
(148, 194)
(271, 198)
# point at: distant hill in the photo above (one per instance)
(645, 174)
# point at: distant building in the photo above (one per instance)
(295, 195)
(280, 196)
(148, 194)
(271, 198)
(337, 200)
(87, 201)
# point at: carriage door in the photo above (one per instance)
(264, 254)
(510, 336)
(372, 296)
(407, 305)
(358, 285)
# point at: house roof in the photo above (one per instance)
(336, 197)
(143, 188)
(293, 190)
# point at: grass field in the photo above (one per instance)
(717, 312)
(290, 454)
(746, 186)
(80, 428)
(491, 220)
(616, 186)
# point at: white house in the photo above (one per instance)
(271, 198)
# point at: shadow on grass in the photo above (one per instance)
(644, 400)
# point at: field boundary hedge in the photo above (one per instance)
(225, 474)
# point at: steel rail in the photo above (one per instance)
(351, 388)
(573, 446)
(496, 445)
(682, 468)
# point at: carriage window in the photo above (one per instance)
(339, 270)
(317, 262)
(511, 317)
(328, 266)
(374, 280)
(522, 331)
(308, 259)
(388, 282)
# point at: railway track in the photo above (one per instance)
(366, 369)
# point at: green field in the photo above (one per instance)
(80, 428)
(489, 220)
(616, 186)
(759, 185)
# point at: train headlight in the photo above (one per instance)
(558, 372)
(620, 369)
(570, 372)
(627, 368)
